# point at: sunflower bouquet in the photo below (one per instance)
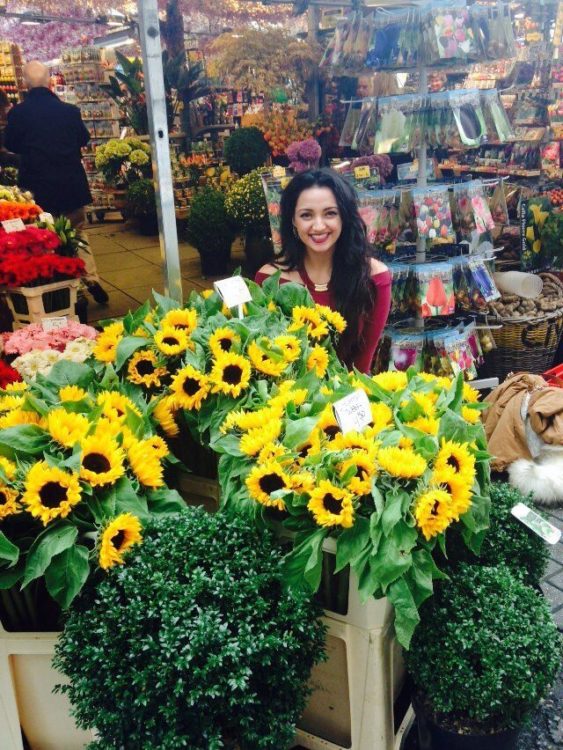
(81, 470)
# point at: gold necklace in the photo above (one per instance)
(317, 287)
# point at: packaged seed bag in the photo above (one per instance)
(433, 214)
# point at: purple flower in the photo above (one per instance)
(292, 150)
(309, 150)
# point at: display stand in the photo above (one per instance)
(11, 71)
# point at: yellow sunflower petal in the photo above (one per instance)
(122, 533)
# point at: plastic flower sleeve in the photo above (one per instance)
(496, 120)
(399, 124)
(363, 140)
(380, 212)
(471, 211)
(434, 292)
(470, 121)
(399, 289)
(350, 124)
(433, 214)
(460, 356)
(497, 203)
(449, 35)
(474, 344)
(385, 45)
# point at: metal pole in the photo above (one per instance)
(313, 18)
(149, 36)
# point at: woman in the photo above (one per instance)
(325, 249)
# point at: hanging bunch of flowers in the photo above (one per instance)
(259, 390)
(81, 470)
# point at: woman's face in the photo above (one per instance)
(317, 220)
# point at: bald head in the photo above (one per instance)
(36, 74)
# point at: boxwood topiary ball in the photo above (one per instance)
(193, 643)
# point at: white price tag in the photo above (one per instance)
(548, 532)
(233, 291)
(55, 323)
(46, 218)
(13, 225)
(353, 412)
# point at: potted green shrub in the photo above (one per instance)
(246, 205)
(141, 206)
(194, 643)
(210, 231)
(245, 150)
(482, 658)
(506, 540)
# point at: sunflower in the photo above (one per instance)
(254, 440)
(353, 440)
(165, 414)
(171, 341)
(265, 479)
(405, 442)
(360, 483)
(288, 395)
(308, 317)
(290, 346)
(67, 428)
(401, 462)
(158, 445)
(143, 369)
(16, 387)
(116, 406)
(381, 416)
(72, 393)
(19, 417)
(119, 536)
(318, 361)
(272, 307)
(8, 467)
(429, 425)
(185, 320)
(391, 381)
(145, 463)
(270, 452)
(457, 457)
(263, 363)
(327, 422)
(250, 420)
(470, 394)
(102, 460)
(106, 343)
(206, 294)
(433, 512)
(303, 482)
(332, 317)
(223, 340)
(190, 387)
(312, 446)
(331, 505)
(230, 374)
(456, 487)
(50, 492)
(9, 403)
(473, 416)
(8, 502)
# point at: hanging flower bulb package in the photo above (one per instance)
(380, 211)
(448, 35)
(496, 198)
(441, 127)
(273, 190)
(471, 211)
(401, 273)
(433, 214)
(406, 351)
(363, 140)
(333, 52)
(493, 32)
(385, 48)
(474, 344)
(468, 114)
(399, 124)
(346, 60)
(350, 124)
(473, 283)
(497, 123)
(433, 289)
(459, 355)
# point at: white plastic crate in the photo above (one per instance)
(27, 304)
(26, 682)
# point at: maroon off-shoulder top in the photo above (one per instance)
(371, 325)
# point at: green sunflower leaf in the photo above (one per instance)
(351, 543)
(8, 551)
(64, 372)
(126, 347)
(53, 541)
(303, 565)
(298, 431)
(67, 574)
(406, 612)
(27, 439)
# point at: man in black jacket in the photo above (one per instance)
(48, 135)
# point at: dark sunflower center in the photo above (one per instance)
(190, 386)
(304, 452)
(52, 494)
(145, 367)
(331, 430)
(332, 504)
(434, 511)
(232, 374)
(182, 326)
(225, 344)
(97, 463)
(3, 498)
(453, 462)
(270, 483)
(170, 340)
(361, 472)
(118, 539)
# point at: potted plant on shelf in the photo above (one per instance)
(247, 207)
(246, 150)
(217, 649)
(141, 206)
(122, 162)
(482, 658)
(210, 231)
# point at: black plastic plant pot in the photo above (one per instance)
(215, 262)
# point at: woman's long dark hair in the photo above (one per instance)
(350, 285)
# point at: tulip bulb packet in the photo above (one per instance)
(434, 293)
(433, 214)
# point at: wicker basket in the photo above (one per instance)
(526, 344)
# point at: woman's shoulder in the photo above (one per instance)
(377, 268)
(270, 268)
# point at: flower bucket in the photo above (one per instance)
(33, 304)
